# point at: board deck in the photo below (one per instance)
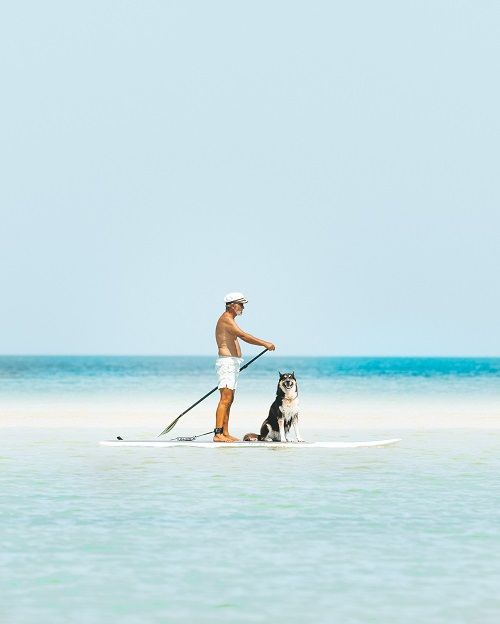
(214, 445)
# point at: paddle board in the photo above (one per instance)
(217, 445)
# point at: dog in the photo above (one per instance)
(283, 413)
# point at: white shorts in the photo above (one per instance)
(228, 369)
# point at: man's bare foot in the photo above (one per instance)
(232, 438)
(220, 437)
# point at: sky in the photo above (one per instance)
(337, 162)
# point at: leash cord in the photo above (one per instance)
(186, 438)
(190, 438)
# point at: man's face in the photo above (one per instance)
(238, 308)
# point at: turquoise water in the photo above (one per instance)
(56, 378)
(404, 534)
(94, 534)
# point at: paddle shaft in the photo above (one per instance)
(174, 422)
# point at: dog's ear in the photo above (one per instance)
(293, 374)
(280, 374)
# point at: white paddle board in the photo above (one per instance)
(217, 445)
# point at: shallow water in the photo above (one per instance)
(142, 535)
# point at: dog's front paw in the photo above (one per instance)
(300, 440)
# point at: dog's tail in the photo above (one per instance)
(252, 437)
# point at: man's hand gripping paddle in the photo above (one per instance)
(174, 422)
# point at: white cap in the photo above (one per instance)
(235, 297)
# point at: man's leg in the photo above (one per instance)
(222, 416)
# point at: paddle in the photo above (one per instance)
(174, 422)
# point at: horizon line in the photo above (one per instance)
(375, 356)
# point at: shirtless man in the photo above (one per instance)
(229, 361)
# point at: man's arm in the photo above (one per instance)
(246, 337)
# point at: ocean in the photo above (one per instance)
(92, 534)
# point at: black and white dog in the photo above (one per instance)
(283, 413)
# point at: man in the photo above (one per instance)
(229, 361)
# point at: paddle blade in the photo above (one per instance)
(170, 427)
